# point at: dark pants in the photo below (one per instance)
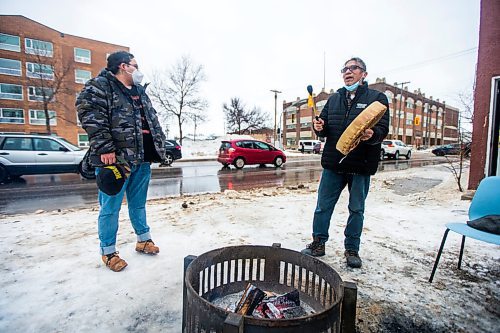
(330, 188)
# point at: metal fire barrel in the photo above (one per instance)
(228, 270)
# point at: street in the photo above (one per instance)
(52, 192)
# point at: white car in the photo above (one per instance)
(33, 154)
(307, 145)
(394, 149)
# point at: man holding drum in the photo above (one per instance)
(352, 170)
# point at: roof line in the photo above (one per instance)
(63, 33)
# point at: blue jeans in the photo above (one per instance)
(136, 187)
(330, 188)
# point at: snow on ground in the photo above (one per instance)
(52, 278)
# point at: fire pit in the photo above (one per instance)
(218, 273)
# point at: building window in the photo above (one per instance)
(82, 76)
(37, 117)
(38, 94)
(11, 91)
(10, 43)
(38, 47)
(389, 96)
(83, 140)
(11, 116)
(321, 103)
(82, 55)
(10, 67)
(39, 71)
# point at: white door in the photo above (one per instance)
(17, 151)
(53, 156)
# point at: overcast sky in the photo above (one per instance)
(249, 47)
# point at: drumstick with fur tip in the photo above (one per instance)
(311, 102)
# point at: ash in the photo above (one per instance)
(229, 302)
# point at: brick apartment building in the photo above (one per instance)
(297, 119)
(485, 149)
(423, 121)
(34, 59)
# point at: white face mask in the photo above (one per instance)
(137, 77)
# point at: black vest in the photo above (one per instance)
(337, 115)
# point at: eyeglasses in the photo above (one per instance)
(352, 68)
(134, 65)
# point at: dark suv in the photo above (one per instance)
(172, 152)
(453, 149)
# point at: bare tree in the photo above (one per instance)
(465, 119)
(46, 80)
(241, 120)
(197, 118)
(177, 91)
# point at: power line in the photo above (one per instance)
(407, 67)
(433, 60)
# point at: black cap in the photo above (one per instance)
(111, 178)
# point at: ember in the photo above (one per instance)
(265, 304)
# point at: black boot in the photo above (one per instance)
(353, 259)
(315, 249)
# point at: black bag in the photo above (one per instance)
(488, 223)
(87, 166)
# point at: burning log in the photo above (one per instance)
(265, 304)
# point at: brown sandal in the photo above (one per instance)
(147, 247)
(114, 262)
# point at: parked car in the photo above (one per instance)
(244, 151)
(318, 147)
(452, 149)
(394, 149)
(307, 145)
(173, 151)
(31, 154)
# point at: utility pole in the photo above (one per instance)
(324, 70)
(276, 92)
(442, 122)
(428, 129)
(400, 101)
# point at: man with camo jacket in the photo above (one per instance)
(123, 129)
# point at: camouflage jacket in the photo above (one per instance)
(112, 123)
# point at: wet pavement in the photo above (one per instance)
(52, 192)
(414, 185)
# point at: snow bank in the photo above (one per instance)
(53, 278)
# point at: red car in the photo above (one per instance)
(244, 151)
